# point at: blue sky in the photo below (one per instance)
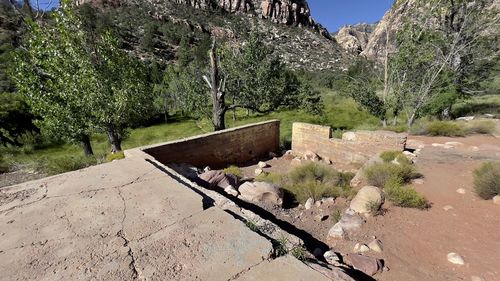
(333, 14)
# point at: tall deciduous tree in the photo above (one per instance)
(431, 62)
(80, 82)
(56, 76)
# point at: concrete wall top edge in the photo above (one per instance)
(153, 146)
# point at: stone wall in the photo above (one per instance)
(354, 147)
(219, 149)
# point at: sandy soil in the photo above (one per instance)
(416, 242)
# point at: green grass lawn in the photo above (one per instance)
(340, 114)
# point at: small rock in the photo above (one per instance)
(360, 248)
(336, 231)
(321, 217)
(418, 181)
(365, 264)
(454, 143)
(206, 169)
(332, 257)
(496, 199)
(455, 259)
(447, 146)
(231, 190)
(461, 191)
(262, 165)
(272, 155)
(447, 207)
(474, 148)
(465, 118)
(349, 136)
(476, 278)
(329, 200)
(261, 192)
(437, 144)
(318, 203)
(311, 156)
(385, 269)
(258, 172)
(376, 245)
(309, 203)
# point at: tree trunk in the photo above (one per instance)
(411, 119)
(114, 139)
(395, 120)
(384, 122)
(87, 146)
(217, 91)
(445, 115)
(386, 76)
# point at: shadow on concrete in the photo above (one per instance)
(310, 242)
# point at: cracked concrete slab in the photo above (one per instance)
(283, 268)
(124, 220)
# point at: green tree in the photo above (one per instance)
(435, 65)
(56, 77)
(80, 82)
(122, 98)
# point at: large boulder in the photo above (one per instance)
(261, 192)
(360, 178)
(367, 195)
(367, 265)
(220, 179)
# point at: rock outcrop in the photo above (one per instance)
(354, 38)
(288, 12)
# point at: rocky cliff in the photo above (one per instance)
(413, 10)
(354, 38)
(286, 25)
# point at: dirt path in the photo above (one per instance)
(416, 242)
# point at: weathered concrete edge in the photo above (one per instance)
(204, 135)
(219, 200)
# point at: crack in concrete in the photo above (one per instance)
(237, 275)
(29, 203)
(166, 226)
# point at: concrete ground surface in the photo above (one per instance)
(128, 220)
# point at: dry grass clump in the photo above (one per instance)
(379, 174)
(404, 196)
(453, 128)
(487, 180)
(233, 170)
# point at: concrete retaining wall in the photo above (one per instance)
(354, 147)
(218, 149)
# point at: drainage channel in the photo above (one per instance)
(310, 242)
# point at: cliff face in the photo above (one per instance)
(354, 38)
(413, 10)
(288, 12)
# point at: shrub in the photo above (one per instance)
(299, 253)
(445, 128)
(374, 207)
(336, 215)
(314, 180)
(388, 156)
(379, 174)
(233, 170)
(271, 177)
(480, 127)
(115, 156)
(252, 225)
(312, 171)
(57, 165)
(281, 248)
(344, 179)
(406, 197)
(312, 189)
(487, 180)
